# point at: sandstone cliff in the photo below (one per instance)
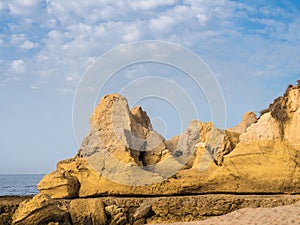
(123, 155)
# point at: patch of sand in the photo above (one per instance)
(282, 215)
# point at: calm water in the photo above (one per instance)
(19, 184)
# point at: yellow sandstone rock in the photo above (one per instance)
(41, 209)
(59, 184)
(87, 211)
(122, 155)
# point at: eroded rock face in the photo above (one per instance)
(266, 129)
(41, 209)
(212, 145)
(281, 121)
(8, 206)
(122, 155)
(292, 126)
(59, 184)
(126, 135)
(248, 119)
(141, 210)
(87, 212)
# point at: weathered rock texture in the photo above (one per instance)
(62, 185)
(87, 212)
(8, 206)
(141, 210)
(122, 155)
(41, 209)
(248, 119)
(126, 135)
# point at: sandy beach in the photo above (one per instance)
(282, 215)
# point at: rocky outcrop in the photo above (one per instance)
(87, 212)
(266, 129)
(126, 135)
(8, 206)
(292, 125)
(122, 155)
(41, 209)
(285, 112)
(59, 184)
(248, 119)
(141, 210)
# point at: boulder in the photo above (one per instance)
(8, 206)
(41, 209)
(59, 184)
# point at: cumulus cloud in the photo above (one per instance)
(22, 7)
(17, 38)
(29, 45)
(149, 4)
(17, 66)
(47, 45)
(161, 24)
(72, 34)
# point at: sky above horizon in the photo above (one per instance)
(252, 47)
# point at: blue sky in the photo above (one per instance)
(253, 48)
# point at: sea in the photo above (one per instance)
(19, 184)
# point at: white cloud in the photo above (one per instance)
(17, 66)
(69, 78)
(81, 31)
(34, 87)
(22, 7)
(132, 33)
(21, 41)
(162, 24)
(26, 3)
(17, 38)
(29, 45)
(252, 46)
(149, 4)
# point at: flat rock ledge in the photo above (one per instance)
(132, 210)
